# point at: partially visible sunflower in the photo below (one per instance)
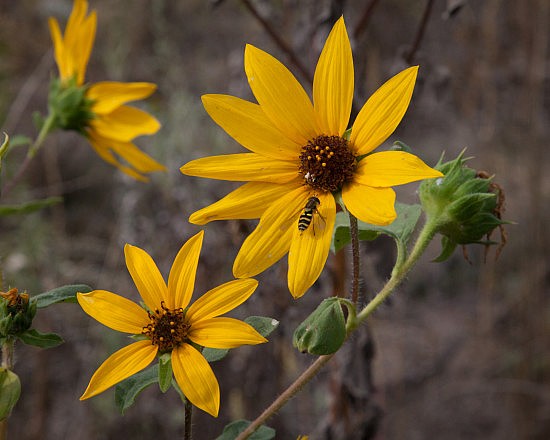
(97, 111)
(300, 150)
(169, 324)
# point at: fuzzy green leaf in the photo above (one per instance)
(28, 207)
(38, 339)
(231, 431)
(127, 390)
(400, 230)
(165, 372)
(60, 294)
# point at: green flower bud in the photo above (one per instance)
(68, 103)
(16, 313)
(465, 204)
(324, 331)
(10, 389)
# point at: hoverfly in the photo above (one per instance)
(307, 213)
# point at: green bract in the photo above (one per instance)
(68, 104)
(464, 203)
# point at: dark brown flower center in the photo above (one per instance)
(326, 163)
(167, 328)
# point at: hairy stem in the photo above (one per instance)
(355, 257)
(188, 413)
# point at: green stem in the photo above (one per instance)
(355, 257)
(400, 271)
(424, 238)
(47, 127)
(290, 392)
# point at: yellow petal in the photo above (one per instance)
(242, 167)
(196, 379)
(59, 49)
(124, 124)
(121, 365)
(371, 205)
(309, 248)
(333, 82)
(109, 95)
(246, 123)
(383, 112)
(181, 280)
(246, 202)
(220, 300)
(146, 276)
(280, 96)
(224, 333)
(390, 168)
(114, 311)
(270, 241)
(99, 146)
(84, 46)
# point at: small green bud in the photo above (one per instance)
(465, 203)
(68, 103)
(324, 331)
(10, 389)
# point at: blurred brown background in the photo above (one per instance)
(460, 352)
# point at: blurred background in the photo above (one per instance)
(461, 351)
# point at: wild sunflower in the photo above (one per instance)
(300, 150)
(169, 324)
(97, 111)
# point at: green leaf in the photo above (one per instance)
(60, 294)
(231, 431)
(214, 354)
(400, 230)
(165, 372)
(262, 324)
(10, 390)
(28, 207)
(38, 339)
(127, 390)
(448, 247)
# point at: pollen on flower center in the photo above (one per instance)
(326, 163)
(167, 328)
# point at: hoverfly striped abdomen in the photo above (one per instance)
(307, 214)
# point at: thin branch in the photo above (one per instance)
(364, 20)
(420, 32)
(278, 41)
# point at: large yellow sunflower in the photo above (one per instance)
(169, 324)
(299, 150)
(109, 125)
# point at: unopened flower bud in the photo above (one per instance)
(16, 312)
(465, 203)
(324, 331)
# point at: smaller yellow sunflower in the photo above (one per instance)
(169, 324)
(101, 116)
(301, 159)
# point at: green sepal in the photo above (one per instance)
(400, 230)
(401, 146)
(69, 105)
(165, 372)
(232, 431)
(4, 147)
(60, 294)
(127, 390)
(447, 249)
(262, 324)
(323, 331)
(28, 207)
(10, 390)
(42, 340)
